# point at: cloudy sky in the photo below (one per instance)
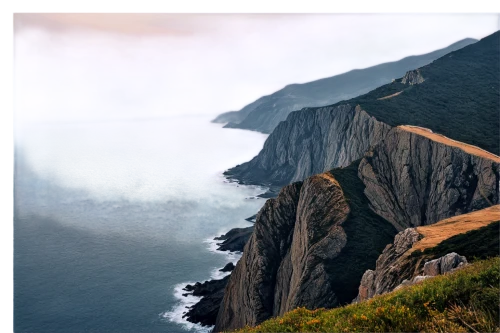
(92, 67)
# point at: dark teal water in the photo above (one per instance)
(91, 257)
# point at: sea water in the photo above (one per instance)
(113, 218)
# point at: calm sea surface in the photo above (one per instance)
(111, 218)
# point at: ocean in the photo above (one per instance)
(112, 218)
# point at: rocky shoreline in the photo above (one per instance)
(212, 291)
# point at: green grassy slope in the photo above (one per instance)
(464, 301)
(460, 97)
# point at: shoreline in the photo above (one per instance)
(185, 300)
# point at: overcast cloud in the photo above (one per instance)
(102, 67)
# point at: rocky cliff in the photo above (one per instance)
(414, 177)
(248, 296)
(457, 95)
(311, 142)
(283, 265)
(303, 251)
(268, 111)
(428, 251)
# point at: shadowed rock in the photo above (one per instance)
(235, 239)
(412, 180)
(283, 263)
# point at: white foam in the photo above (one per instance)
(175, 315)
(223, 180)
(252, 197)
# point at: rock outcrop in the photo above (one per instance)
(413, 180)
(283, 263)
(228, 268)
(235, 239)
(422, 252)
(310, 142)
(396, 268)
(392, 267)
(412, 77)
(205, 311)
(444, 264)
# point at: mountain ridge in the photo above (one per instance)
(266, 112)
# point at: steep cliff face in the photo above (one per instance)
(311, 142)
(413, 178)
(318, 237)
(248, 295)
(283, 265)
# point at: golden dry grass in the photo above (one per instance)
(436, 233)
(328, 176)
(470, 149)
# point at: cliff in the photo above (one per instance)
(311, 142)
(406, 257)
(322, 235)
(333, 229)
(267, 112)
(457, 95)
(248, 296)
(305, 250)
(414, 177)
(283, 265)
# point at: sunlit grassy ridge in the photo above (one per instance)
(464, 301)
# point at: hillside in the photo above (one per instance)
(461, 238)
(463, 301)
(265, 113)
(457, 96)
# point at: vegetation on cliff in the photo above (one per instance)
(459, 98)
(367, 235)
(463, 301)
(475, 244)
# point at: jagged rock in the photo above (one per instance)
(391, 267)
(235, 239)
(395, 269)
(205, 311)
(412, 180)
(228, 268)
(283, 263)
(444, 264)
(248, 296)
(310, 142)
(412, 77)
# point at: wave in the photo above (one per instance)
(184, 302)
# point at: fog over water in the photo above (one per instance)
(110, 217)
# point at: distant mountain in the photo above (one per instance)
(265, 113)
(457, 95)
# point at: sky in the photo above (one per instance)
(102, 67)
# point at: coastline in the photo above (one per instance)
(183, 292)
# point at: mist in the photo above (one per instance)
(99, 67)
